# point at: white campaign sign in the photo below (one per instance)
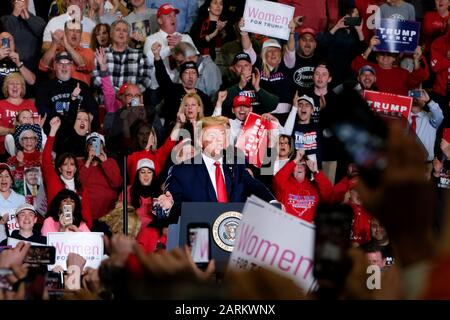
(270, 238)
(13, 242)
(11, 221)
(89, 245)
(268, 18)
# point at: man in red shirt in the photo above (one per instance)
(390, 78)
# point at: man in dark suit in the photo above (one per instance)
(209, 177)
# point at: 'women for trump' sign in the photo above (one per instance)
(268, 18)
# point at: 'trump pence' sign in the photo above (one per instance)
(398, 36)
(268, 237)
(89, 245)
(268, 18)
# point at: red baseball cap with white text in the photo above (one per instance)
(166, 8)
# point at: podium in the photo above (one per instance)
(222, 219)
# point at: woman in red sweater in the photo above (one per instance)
(101, 176)
(14, 90)
(142, 195)
(63, 174)
(390, 78)
(294, 189)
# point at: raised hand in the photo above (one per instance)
(100, 56)
(55, 123)
(76, 92)
(156, 50)
(256, 78)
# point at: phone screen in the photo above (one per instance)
(352, 21)
(41, 255)
(198, 239)
(67, 213)
(5, 43)
(415, 93)
(4, 283)
(96, 144)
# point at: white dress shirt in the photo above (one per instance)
(165, 52)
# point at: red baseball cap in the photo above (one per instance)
(306, 30)
(242, 101)
(166, 8)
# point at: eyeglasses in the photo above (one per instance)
(28, 138)
(130, 95)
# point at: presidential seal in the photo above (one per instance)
(224, 229)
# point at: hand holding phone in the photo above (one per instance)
(415, 93)
(352, 21)
(41, 255)
(5, 42)
(4, 282)
(67, 215)
(97, 145)
(198, 239)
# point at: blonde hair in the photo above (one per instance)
(12, 77)
(195, 96)
(265, 66)
(114, 220)
(215, 121)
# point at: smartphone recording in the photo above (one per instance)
(38, 255)
(198, 240)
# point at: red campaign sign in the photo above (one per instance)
(253, 138)
(388, 103)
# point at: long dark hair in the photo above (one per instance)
(55, 206)
(60, 161)
(137, 190)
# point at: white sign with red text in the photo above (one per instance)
(11, 222)
(89, 245)
(268, 237)
(268, 18)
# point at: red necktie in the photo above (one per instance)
(413, 123)
(220, 184)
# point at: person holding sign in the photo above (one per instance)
(390, 78)
(210, 177)
(274, 72)
(300, 186)
(64, 214)
(26, 217)
(9, 199)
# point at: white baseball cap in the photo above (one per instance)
(307, 98)
(25, 206)
(145, 163)
(96, 135)
(271, 43)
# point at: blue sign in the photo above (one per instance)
(398, 36)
